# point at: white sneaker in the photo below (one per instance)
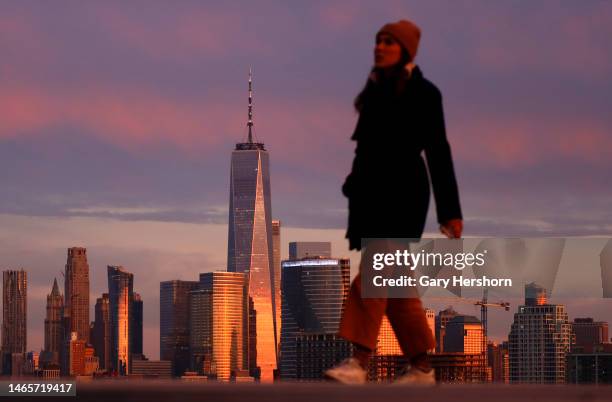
(349, 371)
(416, 376)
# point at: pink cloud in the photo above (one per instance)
(311, 132)
(124, 117)
(514, 143)
(136, 119)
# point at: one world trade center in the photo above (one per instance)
(250, 248)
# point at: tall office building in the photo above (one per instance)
(250, 243)
(386, 342)
(137, 311)
(443, 317)
(539, 340)
(101, 335)
(121, 301)
(499, 361)
(76, 294)
(314, 291)
(76, 355)
(388, 360)
(54, 333)
(14, 317)
(309, 249)
(219, 325)
(276, 258)
(174, 319)
(589, 333)
(464, 334)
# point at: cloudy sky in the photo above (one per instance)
(117, 120)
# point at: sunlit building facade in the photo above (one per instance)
(251, 245)
(464, 334)
(219, 324)
(121, 300)
(276, 259)
(388, 360)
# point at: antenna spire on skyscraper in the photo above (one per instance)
(250, 121)
(249, 145)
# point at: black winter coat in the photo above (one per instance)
(388, 187)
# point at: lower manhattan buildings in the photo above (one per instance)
(174, 323)
(137, 317)
(251, 247)
(14, 319)
(121, 297)
(219, 330)
(76, 294)
(101, 333)
(313, 292)
(539, 340)
(54, 332)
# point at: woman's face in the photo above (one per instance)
(387, 51)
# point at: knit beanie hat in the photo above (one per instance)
(406, 33)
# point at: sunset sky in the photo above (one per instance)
(118, 118)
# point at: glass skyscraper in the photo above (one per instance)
(313, 292)
(137, 309)
(121, 301)
(218, 324)
(174, 320)
(276, 254)
(251, 245)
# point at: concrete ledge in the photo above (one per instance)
(166, 391)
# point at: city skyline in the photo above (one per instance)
(499, 321)
(465, 339)
(136, 170)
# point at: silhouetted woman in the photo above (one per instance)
(400, 117)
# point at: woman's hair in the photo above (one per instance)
(395, 76)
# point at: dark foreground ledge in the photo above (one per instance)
(169, 391)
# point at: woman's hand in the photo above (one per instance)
(452, 228)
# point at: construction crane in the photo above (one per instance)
(484, 305)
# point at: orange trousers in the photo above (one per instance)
(362, 317)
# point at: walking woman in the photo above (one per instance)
(400, 117)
